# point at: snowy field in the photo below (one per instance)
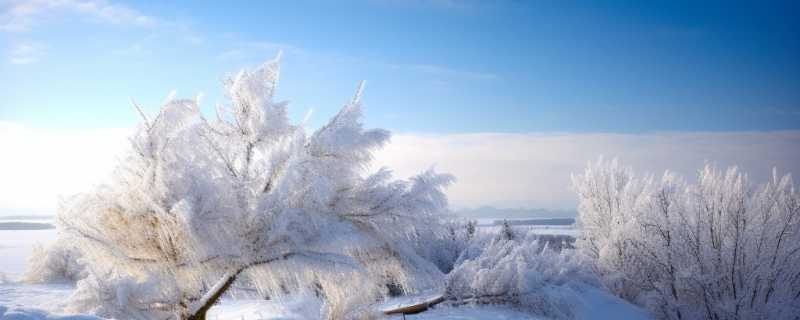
(16, 246)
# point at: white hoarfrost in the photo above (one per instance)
(248, 201)
(721, 248)
(55, 262)
(521, 271)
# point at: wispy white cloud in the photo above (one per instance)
(22, 15)
(174, 32)
(25, 53)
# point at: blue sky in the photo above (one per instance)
(430, 66)
(509, 96)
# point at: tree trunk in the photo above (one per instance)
(200, 314)
(199, 308)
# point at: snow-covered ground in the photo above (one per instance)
(595, 305)
(470, 312)
(18, 299)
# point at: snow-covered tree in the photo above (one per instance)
(607, 190)
(506, 231)
(472, 227)
(522, 272)
(721, 248)
(199, 203)
(443, 245)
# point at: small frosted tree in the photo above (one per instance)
(606, 191)
(721, 248)
(198, 204)
(506, 231)
(471, 226)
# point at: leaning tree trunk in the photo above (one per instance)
(212, 296)
(198, 309)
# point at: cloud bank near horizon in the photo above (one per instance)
(532, 170)
(503, 170)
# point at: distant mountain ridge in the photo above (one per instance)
(513, 213)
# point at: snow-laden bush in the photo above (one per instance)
(720, 248)
(443, 244)
(521, 272)
(120, 296)
(607, 193)
(198, 204)
(55, 262)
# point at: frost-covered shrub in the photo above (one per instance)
(443, 243)
(59, 261)
(116, 296)
(506, 231)
(198, 204)
(720, 248)
(521, 272)
(608, 192)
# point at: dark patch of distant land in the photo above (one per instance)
(27, 217)
(538, 222)
(25, 226)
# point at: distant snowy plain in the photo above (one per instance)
(43, 302)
